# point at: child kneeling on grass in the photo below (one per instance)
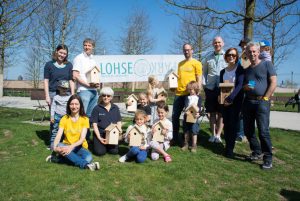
(162, 147)
(74, 148)
(139, 153)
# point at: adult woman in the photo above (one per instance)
(234, 73)
(102, 116)
(74, 147)
(57, 69)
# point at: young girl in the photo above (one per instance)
(152, 96)
(138, 152)
(58, 107)
(143, 105)
(162, 147)
(265, 50)
(74, 147)
(191, 129)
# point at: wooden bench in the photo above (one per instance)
(38, 95)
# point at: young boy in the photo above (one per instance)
(59, 107)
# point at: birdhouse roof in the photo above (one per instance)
(226, 84)
(138, 129)
(161, 91)
(111, 127)
(133, 96)
(160, 124)
(193, 107)
(95, 67)
(173, 73)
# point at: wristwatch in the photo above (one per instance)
(265, 98)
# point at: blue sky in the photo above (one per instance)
(110, 16)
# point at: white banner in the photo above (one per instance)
(136, 68)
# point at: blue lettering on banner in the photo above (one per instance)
(116, 68)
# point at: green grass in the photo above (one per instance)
(206, 175)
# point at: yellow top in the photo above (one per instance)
(72, 130)
(187, 71)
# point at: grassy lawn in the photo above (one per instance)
(206, 175)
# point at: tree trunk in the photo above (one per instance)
(2, 55)
(248, 23)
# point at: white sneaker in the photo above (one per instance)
(218, 140)
(93, 166)
(212, 139)
(49, 159)
(123, 159)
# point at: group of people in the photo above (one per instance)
(254, 79)
(73, 114)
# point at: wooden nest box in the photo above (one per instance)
(225, 90)
(173, 80)
(132, 100)
(158, 128)
(136, 137)
(92, 75)
(112, 133)
(191, 112)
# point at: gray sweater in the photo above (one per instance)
(59, 105)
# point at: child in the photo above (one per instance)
(191, 129)
(143, 105)
(58, 107)
(162, 147)
(138, 152)
(265, 50)
(152, 96)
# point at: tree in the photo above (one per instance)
(192, 34)
(15, 27)
(281, 29)
(136, 39)
(223, 17)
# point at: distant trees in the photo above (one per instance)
(15, 26)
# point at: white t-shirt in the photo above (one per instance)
(229, 75)
(83, 63)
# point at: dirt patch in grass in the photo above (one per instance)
(7, 135)
(39, 123)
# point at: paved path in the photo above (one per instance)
(284, 120)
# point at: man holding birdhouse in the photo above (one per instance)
(188, 70)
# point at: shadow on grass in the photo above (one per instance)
(290, 195)
(44, 135)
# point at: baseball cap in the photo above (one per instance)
(245, 40)
(264, 43)
(63, 84)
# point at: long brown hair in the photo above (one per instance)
(59, 47)
(81, 108)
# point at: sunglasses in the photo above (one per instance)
(105, 95)
(231, 55)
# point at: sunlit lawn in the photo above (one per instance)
(206, 175)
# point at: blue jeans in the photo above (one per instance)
(57, 118)
(89, 99)
(240, 127)
(178, 106)
(259, 111)
(79, 157)
(139, 155)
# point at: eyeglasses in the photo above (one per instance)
(231, 55)
(105, 95)
(187, 50)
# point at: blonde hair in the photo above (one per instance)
(151, 79)
(193, 85)
(140, 113)
(142, 94)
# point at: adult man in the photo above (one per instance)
(259, 84)
(81, 65)
(188, 70)
(212, 66)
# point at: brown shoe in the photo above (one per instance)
(194, 149)
(185, 147)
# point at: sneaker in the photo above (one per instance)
(194, 149)
(218, 140)
(123, 159)
(52, 159)
(254, 157)
(93, 166)
(267, 165)
(185, 147)
(212, 139)
(239, 139)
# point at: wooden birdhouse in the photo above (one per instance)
(112, 134)
(245, 62)
(161, 92)
(191, 112)
(173, 80)
(92, 76)
(157, 135)
(136, 137)
(225, 90)
(132, 102)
